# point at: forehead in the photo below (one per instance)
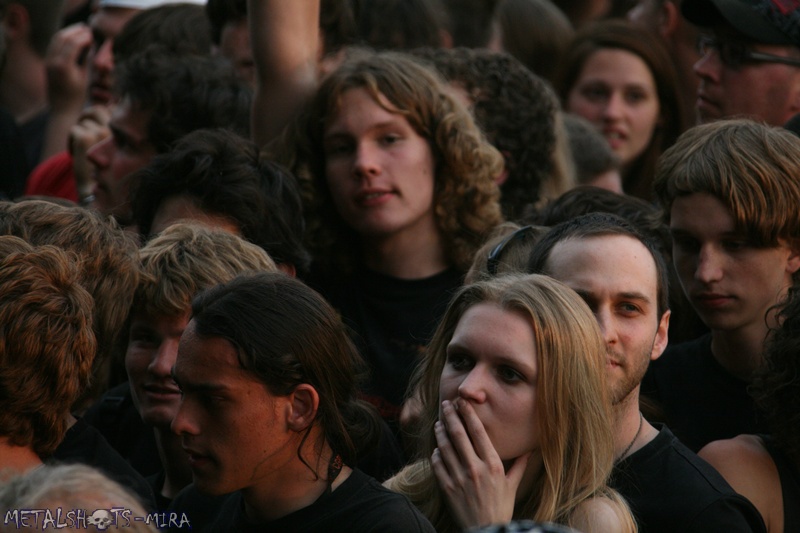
(130, 118)
(701, 213)
(362, 102)
(618, 65)
(206, 360)
(604, 263)
(109, 21)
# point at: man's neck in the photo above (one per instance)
(740, 351)
(177, 472)
(631, 430)
(292, 488)
(406, 256)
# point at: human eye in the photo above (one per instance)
(595, 92)
(120, 140)
(636, 96)
(390, 139)
(629, 308)
(459, 361)
(685, 244)
(735, 245)
(142, 337)
(338, 147)
(509, 374)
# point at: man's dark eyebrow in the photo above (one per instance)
(635, 296)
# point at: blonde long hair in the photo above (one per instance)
(573, 402)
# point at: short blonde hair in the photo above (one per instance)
(187, 258)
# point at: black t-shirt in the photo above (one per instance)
(85, 445)
(670, 489)
(392, 321)
(702, 402)
(359, 504)
(117, 419)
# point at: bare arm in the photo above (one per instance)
(747, 467)
(284, 36)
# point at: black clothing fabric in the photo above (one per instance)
(12, 158)
(701, 401)
(790, 485)
(85, 445)
(670, 489)
(359, 504)
(392, 320)
(117, 419)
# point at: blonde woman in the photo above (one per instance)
(516, 413)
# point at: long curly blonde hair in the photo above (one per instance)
(466, 197)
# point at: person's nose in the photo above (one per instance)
(473, 386)
(164, 358)
(709, 265)
(366, 163)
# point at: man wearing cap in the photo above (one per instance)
(750, 59)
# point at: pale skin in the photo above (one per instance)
(747, 466)
(480, 490)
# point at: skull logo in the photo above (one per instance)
(100, 519)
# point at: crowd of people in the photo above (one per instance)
(400, 265)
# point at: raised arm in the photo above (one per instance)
(285, 40)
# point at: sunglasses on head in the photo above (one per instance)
(734, 54)
(496, 254)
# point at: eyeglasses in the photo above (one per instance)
(735, 54)
(497, 251)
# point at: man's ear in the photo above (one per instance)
(793, 262)
(669, 19)
(304, 403)
(16, 21)
(662, 336)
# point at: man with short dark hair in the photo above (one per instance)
(622, 277)
(161, 99)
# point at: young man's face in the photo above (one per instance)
(616, 276)
(116, 158)
(152, 351)
(729, 280)
(233, 429)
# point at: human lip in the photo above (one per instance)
(707, 105)
(161, 391)
(615, 137)
(99, 93)
(712, 300)
(195, 458)
(373, 197)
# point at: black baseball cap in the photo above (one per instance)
(763, 21)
